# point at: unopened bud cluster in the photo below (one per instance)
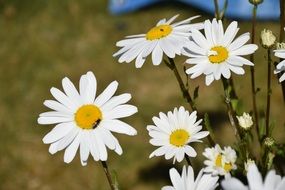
(267, 38)
(256, 2)
(245, 121)
(269, 141)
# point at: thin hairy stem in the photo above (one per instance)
(171, 65)
(217, 9)
(252, 71)
(268, 91)
(188, 160)
(230, 110)
(183, 88)
(108, 175)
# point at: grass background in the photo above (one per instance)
(43, 41)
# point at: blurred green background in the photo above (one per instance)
(43, 41)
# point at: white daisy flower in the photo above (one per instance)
(187, 180)
(166, 37)
(217, 53)
(220, 162)
(174, 132)
(280, 52)
(86, 121)
(272, 181)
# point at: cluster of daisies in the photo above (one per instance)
(85, 121)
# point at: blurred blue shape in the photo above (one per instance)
(238, 9)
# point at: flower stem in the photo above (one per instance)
(217, 9)
(188, 160)
(185, 92)
(231, 112)
(252, 71)
(108, 175)
(171, 65)
(268, 91)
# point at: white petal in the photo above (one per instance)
(230, 33)
(120, 112)
(84, 147)
(190, 151)
(54, 105)
(200, 39)
(172, 19)
(53, 120)
(71, 150)
(245, 50)
(71, 91)
(101, 147)
(254, 177)
(237, 70)
(240, 41)
(65, 141)
(167, 47)
(94, 150)
(62, 98)
(58, 132)
(131, 41)
(157, 55)
(209, 79)
(115, 101)
(106, 94)
(175, 179)
(233, 184)
(159, 152)
(55, 114)
(118, 127)
(238, 61)
(91, 88)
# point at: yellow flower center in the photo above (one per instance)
(88, 116)
(220, 56)
(227, 166)
(179, 137)
(218, 161)
(158, 32)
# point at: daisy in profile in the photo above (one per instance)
(187, 180)
(220, 162)
(174, 132)
(255, 182)
(84, 121)
(280, 52)
(166, 37)
(217, 53)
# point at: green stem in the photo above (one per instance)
(108, 175)
(252, 71)
(268, 90)
(217, 9)
(185, 92)
(188, 160)
(171, 65)
(230, 110)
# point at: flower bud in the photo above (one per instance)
(256, 2)
(245, 121)
(269, 141)
(267, 38)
